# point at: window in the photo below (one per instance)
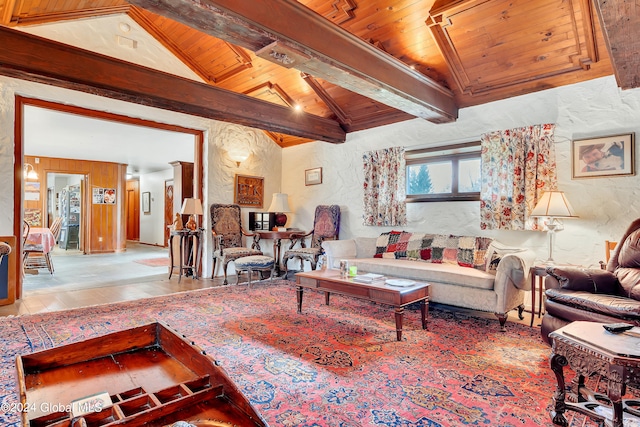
(444, 173)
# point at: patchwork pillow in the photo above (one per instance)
(416, 244)
(387, 242)
(480, 252)
(466, 251)
(402, 245)
(444, 249)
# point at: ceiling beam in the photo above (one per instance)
(44, 18)
(620, 20)
(343, 118)
(292, 35)
(28, 57)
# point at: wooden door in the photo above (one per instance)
(168, 209)
(133, 210)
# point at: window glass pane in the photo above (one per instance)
(469, 176)
(429, 178)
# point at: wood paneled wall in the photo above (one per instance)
(103, 226)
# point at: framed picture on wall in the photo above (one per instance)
(249, 191)
(313, 176)
(603, 156)
(146, 202)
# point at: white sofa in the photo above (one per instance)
(499, 290)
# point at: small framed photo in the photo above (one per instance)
(313, 176)
(603, 156)
(146, 202)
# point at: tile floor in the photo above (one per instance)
(83, 280)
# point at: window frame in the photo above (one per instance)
(453, 153)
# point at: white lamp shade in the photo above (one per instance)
(191, 207)
(279, 203)
(553, 204)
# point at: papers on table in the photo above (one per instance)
(368, 278)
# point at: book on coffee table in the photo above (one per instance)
(369, 278)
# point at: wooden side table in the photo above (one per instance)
(190, 251)
(537, 272)
(589, 349)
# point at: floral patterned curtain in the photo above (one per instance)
(518, 165)
(384, 187)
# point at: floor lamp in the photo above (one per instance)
(553, 205)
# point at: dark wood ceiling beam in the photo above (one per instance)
(28, 57)
(290, 34)
(620, 21)
(45, 18)
(342, 117)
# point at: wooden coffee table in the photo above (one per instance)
(329, 281)
(588, 349)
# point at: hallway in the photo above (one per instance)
(83, 280)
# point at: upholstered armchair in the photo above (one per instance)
(226, 227)
(326, 226)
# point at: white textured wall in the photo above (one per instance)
(605, 205)
(105, 35)
(152, 223)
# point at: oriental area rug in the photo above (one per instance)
(335, 365)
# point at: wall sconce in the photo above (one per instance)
(29, 171)
(238, 155)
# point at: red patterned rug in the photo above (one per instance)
(154, 262)
(336, 365)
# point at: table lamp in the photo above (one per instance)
(554, 205)
(280, 205)
(191, 207)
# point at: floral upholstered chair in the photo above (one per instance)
(227, 230)
(326, 226)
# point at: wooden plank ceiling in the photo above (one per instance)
(366, 63)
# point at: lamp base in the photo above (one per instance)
(280, 219)
(191, 224)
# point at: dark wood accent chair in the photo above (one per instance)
(226, 227)
(326, 226)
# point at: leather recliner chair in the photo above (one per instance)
(608, 296)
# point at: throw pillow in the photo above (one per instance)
(414, 246)
(472, 251)
(494, 253)
(402, 245)
(444, 249)
(386, 242)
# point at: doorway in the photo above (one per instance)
(69, 132)
(65, 198)
(133, 210)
